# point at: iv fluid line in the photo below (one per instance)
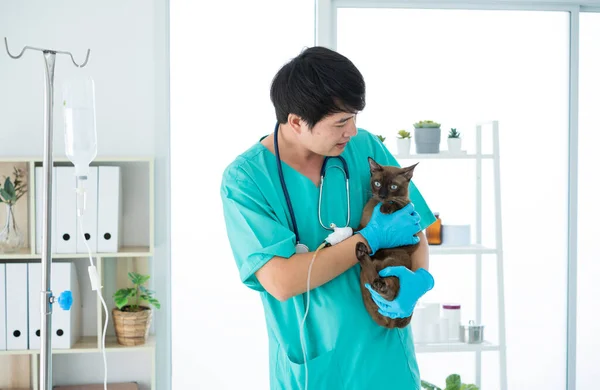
(94, 279)
(302, 342)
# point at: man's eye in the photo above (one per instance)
(394, 187)
(377, 184)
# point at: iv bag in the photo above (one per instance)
(80, 123)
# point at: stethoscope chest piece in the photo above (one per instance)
(301, 248)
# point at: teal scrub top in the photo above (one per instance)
(346, 349)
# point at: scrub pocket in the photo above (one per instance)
(323, 373)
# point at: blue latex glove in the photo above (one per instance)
(413, 285)
(392, 230)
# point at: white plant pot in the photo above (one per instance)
(403, 145)
(454, 145)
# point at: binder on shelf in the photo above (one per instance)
(89, 220)
(109, 209)
(66, 324)
(34, 300)
(2, 307)
(66, 211)
(39, 197)
(16, 306)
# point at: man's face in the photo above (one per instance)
(330, 135)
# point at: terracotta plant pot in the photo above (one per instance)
(132, 328)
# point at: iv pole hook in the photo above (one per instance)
(47, 299)
(87, 57)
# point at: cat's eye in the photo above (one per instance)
(377, 184)
(394, 187)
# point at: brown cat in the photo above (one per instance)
(389, 185)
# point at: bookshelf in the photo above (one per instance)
(19, 368)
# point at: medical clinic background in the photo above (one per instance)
(501, 79)
(187, 83)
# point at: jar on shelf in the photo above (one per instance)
(451, 311)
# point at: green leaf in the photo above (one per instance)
(120, 302)
(429, 386)
(453, 382)
(121, 293)
(5, 195)
(132, 292)
(147, 291)
(145, 297)
(154, 302)
(9, 188)
(144, 279)
(133, 276)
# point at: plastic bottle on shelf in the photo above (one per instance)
(434, 231)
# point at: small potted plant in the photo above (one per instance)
(132, 319)
(427, 136)
(11, 237)
(454, 141)
(403, 142)
(453, 382)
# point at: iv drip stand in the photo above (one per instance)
(47, 299)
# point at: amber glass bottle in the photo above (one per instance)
(434, 231)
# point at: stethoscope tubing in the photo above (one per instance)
(323, 169)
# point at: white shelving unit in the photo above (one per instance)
(477, 250)
(137, 183)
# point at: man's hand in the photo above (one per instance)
(413, 285)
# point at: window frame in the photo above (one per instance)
(326, 35)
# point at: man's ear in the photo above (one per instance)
(295, 123)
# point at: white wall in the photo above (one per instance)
(222, 63)
(128, 62)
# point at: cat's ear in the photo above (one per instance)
(408, 171)
(374, 166)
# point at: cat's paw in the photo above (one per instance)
(362, 254)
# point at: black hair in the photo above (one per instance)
(316, 83)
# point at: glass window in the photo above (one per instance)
(458, 67)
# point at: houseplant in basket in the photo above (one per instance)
(427, 136)
(131, 318)
(454, 141)
(403, 142)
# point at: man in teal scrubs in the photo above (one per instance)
(316, 98)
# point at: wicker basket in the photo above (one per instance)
(132, 328)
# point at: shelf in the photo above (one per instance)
(127, 251)
(460, 250)
(455, 347)
(62, 159)
(89, 344)
(443, 155)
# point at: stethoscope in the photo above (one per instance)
(301, 248)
